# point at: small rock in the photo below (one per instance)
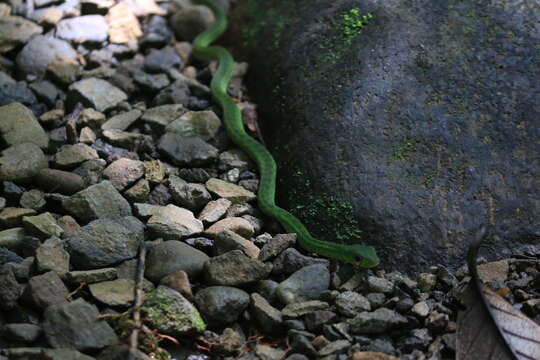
(76, 325)
(202, 124)
(291, 260)
(336, 347)
(21, 162)
(494, 271)
(221, 305)
(376, 300)
(227, 240)
(119, 292)
(381, 285)
(316, 319)
(233, 159)
(305, 284)
(25, 333)
(171, 256)
(11, 217)
(151, 82)
(10, 289)
(163, 59)
(214, 210)
(38, 53)
(191, 196)
(437, 321)
(187, 151)
(179, 281)
(13, 239)
(191, 21)
(426, 281)
(350, 303)
(300, 309)
(91, 276)
(51, 256)
(236, 194)
(96, 93)
(278, 244)
(45, 290)
(92, 118)
(97, 201)
(235, 224)
(122, 121)
(138, 192)
(69, 225)
(170, 313)
(33, 199)
(160, 116)
(42, 226)
(124, 172)
(234, 269)
(64, 70)
(69, 156)
(105, 242)
(175, 223)
(420, 309)
(16, 31)
(88, 28)
(268, 318)
(376, 322)
(266, 352)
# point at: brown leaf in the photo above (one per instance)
(491, 328)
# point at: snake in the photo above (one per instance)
(356, 254)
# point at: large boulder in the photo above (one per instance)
(415, 128)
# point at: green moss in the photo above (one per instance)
(327, 217)
(404, 149)
(353, 22)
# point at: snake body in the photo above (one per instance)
(356, 254)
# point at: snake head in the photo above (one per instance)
(363, 256)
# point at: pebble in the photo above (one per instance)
(97, 93)
(19, 125)
(39, 52)
(214, 210)
(122, 121)
(237, 225)
(51, 256)
(350, 303)
(45, 290)
(21, 162)
(88, 28)
(174, 223)
(267, 317)
(187, 151)
(188, 195)
(234, 193)
(305, 284)
(376, 322)
(124, 172)
(42, 226)
(228, 240)
(234, 269)
(115, 293)
(221, 305)
(16, 31)
(171, 256)
(202, 124)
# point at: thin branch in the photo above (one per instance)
(139, 298)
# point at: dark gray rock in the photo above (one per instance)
(19, 125)
(36, 55)
(267, 317)
(150, 83)
(10, 289)
(105, 242)
(350, 303)
(63, 182)
(76, 325)
(97, 201)
(45, 290)
(291, 260)
(46, 91)
(96, 93)
(170, 256)
(191, 196)
(156, 32)
(185, 151)
(376, 322)
(409, 126)
(17, 93)
(176, 93)
(162, 60)
(24, 333)
(21, 162)
(305, 284)
(8, 256)
(221, 305)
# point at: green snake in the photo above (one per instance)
(356, 254)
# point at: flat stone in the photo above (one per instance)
(51, 256)
(235, 224)
(228, 240)
(114, 293)
(25, 333)
(13, 239)
(189, 152)
(124, 172)
(12, 217)
(42, 225)
(420, 309)
(19, 125)
(96, 93)
(236, 194)
(122, 121)
(291, 260)
(188, 195)
(202, 124)
(350, 303)
(91, 276)
(36, 55)
(105, 242)
(16, 31)
(302, 308)
(376, 322)
(69, 225)
(88, 28)
(69, 156)
(214, 210)
(276, 246)
(33, 199)
(76, 325)
(64, 70)
(377, 284)
(97, 201)
(162, 60)
(173, 222)
(160, 116)
(45, 290)
(124, 27)
(494, 271)
(179, 281)
(154, 171)
(151, 82)
(170, 313)
(21, 162)
(305, 284)
(172, 256)
(234, 269)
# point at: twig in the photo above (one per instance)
(134, 337)
(70, 295)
